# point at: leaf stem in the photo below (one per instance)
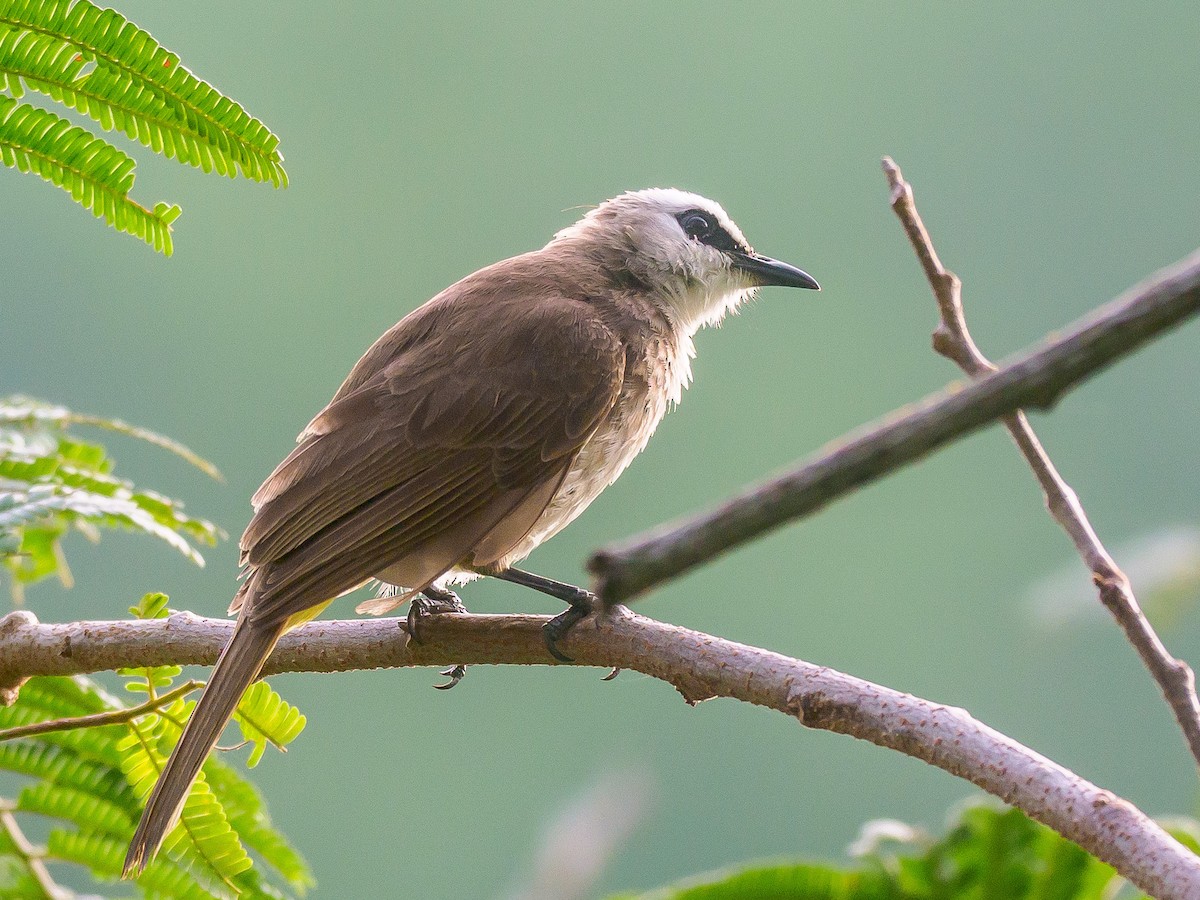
(32, 857)
(112, 717)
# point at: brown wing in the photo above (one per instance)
(413, 467)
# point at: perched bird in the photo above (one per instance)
(473, 430)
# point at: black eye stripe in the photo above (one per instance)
(700, 225)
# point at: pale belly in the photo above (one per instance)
(606, 454)
(600, 461)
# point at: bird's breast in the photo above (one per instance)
(653, 382)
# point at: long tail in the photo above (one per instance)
(238, 666)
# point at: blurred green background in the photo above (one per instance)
(1054, 155)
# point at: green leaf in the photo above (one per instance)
(151, 606)
(247, 814)
(94, 780)
(50, 482)
(203, 835)
(218, 818)
(104, 856)
(111, 511)
(263, 716)
(37, 554)
(27, 412)
(96, 62)
(65, 766)
(989, 851)
(85, 809)
(149, 679)
(135, 86)
(783, 882)
(96, 174)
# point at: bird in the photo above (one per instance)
(472, 431)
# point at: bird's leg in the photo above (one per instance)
(581, 604)
(432, 601)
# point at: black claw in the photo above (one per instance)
(455, 674)
(616, 670)
(556, 629)
(411, 621)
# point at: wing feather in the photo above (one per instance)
(417, 462)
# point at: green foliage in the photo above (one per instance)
(265, 717)
(96, 174)
(91, 784)
(989, 851)
(52, 482)
(97, 63)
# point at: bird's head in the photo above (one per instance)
(682, 248)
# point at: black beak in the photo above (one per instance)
(773, 272)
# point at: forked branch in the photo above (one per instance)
(953, 340)
(1036, 378)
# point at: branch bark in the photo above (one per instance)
(952, 339)
(1036, 378)
(698, 665)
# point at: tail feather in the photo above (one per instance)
(238, 666)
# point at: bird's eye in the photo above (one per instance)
(697, 225)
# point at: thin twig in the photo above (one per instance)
(698, 665)
(32, 857)
(1037, 378)
(112, 717)
(953, 340)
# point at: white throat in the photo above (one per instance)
(700, 305)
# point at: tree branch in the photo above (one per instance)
(953, 340)
(698, 665)
(1036, 378)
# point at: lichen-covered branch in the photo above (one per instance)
(699, 666)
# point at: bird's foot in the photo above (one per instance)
(431, 602)
(581, 604)
(558, 627)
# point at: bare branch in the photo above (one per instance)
(953, 340)
(698, 665)
(1036, 378)
(112, 717)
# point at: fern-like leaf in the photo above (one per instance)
(96, 174)
(106, 510)
(87, 810)
(263, 716)
(51, 481)
(52, 697)
(30, 413)
(65, 766)
(203, 834)
(247, 814)
(104, 855)
(136, 86)
(93, 781)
